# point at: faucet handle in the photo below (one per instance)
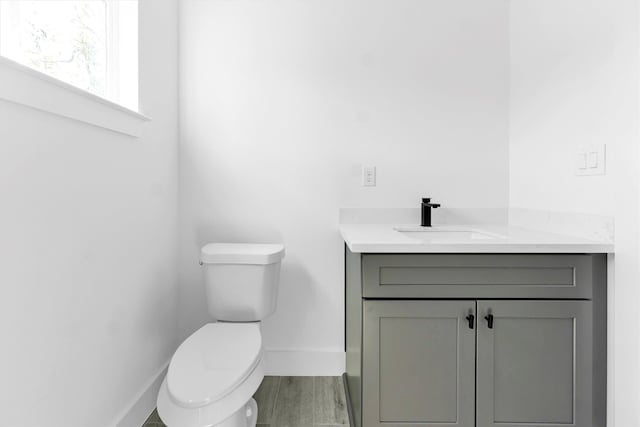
(427, 201)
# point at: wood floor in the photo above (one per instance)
(295, 402)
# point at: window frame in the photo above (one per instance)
(63, 99)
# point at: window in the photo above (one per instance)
(91, 44)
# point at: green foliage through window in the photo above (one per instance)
(82, 42)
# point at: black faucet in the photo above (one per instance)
(426, 212)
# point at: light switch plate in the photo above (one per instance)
(368, 176)
(591, 160)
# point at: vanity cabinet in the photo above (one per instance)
(468, 340)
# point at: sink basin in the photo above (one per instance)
(446, 234)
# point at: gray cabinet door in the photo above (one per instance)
(418, 366)
(535, 364)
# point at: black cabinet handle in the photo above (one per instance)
(489, 319)
(470, 318)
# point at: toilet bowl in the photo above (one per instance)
(215, 372)
(212, 377)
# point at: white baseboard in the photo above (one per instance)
(305, 363)
(145, 403)
(278, 362)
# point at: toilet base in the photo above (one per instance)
(247, 416)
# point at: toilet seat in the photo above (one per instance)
(212, 375)
(212, 362)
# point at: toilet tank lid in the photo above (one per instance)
(241, 253)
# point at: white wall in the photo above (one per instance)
(88, 226)
(575, 80)
(283, 100)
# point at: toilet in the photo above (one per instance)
(215, 372)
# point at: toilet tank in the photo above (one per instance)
(241, 280)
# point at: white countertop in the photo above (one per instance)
(384, 238)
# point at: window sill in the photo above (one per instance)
(25, 86)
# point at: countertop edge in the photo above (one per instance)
(489, 249)
(376, 238)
